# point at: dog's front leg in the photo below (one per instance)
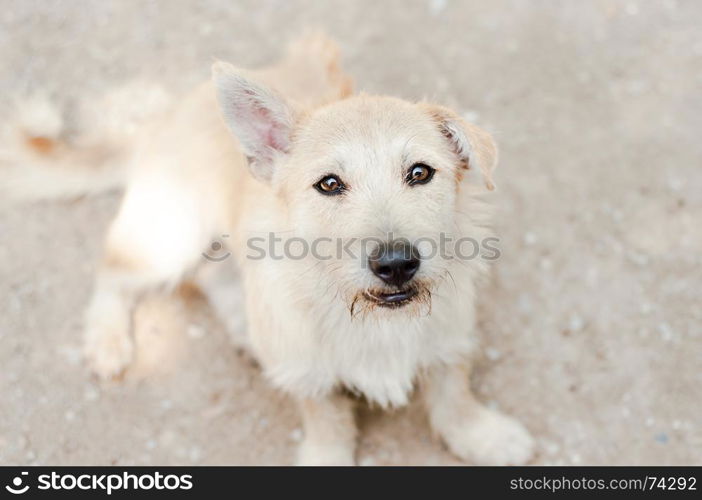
(330, 431)
(471, 431)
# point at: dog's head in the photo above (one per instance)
(370, 183)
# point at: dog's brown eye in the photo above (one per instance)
(419, 173)
(330, 185)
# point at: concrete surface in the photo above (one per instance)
(592, 324)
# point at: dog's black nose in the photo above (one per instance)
(395, 263)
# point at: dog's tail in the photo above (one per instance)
(38, 160)
(37, 163)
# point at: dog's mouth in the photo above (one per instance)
(391, 299)
(413, 300)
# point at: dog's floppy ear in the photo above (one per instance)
(474, 146)
(259, 117)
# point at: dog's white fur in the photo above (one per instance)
(236, 157)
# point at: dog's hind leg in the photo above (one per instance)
(158, 236)
(470, 430)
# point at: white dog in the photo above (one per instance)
(309, 161)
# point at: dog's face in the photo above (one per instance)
(371, 184)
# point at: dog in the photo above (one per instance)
(289, 150)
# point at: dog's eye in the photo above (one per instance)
(330, 185)
(419, 173)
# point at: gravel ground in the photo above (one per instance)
(592, 325)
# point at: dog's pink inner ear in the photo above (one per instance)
(259, 118)
(267, 129)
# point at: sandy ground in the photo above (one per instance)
(592, 324)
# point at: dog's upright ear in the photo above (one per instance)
(259, 117)
(473, 145)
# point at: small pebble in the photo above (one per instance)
(661, 437)
(195, 454)
(524, 303)
(575, 323)
(551, 448)
(436, 7)
(91, 394)
(675, 184)
(493, 354)
(471, 116)
(638, 258)
(665, 331)
(73, 355)
(296, 435)
(530, 238)
(196, 331)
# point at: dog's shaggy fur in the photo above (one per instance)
(236, 157)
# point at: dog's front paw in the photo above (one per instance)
(324, 454)
(491, 438)
(108, 349)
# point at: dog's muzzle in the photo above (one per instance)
(395, 263)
